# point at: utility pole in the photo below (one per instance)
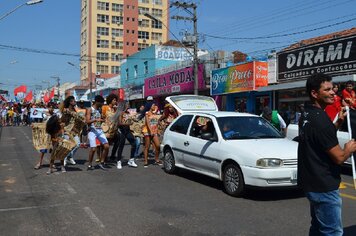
(193, 40)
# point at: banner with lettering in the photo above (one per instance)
(239, 78)
(333, 57)
(179, 81)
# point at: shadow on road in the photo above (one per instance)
(255, 194)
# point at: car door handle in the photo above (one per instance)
(186, 143)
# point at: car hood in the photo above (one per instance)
(265, 148)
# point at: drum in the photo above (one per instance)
(63, 148)
(40, 138)
(73, 122)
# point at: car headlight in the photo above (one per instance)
(269, 162)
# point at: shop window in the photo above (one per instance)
(241, 104)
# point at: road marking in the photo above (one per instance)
(348, 184)
(93, 217)
(348, 196)
(70, 189)
(33, 207)
(342, 185)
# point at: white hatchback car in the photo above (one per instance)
(237, 148)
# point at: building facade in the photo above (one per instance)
(112, 30)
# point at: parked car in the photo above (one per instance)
(342, 135)
(237, 148)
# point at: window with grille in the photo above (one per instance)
(156, 36)
(117, 7)
(116, 57)
(143, 23)
(156, 24)
(102, 43)
(102, 31)
(117, 45)
(117, 32)
(156, 12)
(143, 10)
(102, 69)
(102, 56)
(102, 18)
(117, 20)
(115, 70)
(143, 35)
(103, 6)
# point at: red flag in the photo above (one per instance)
(2, 98)
(51, 95)
(46, 98)
(20, 89)
(29, 97)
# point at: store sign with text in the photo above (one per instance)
(179, 81)
(239, 78)
(334, 57)
(173, 53)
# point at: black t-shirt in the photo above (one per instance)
(317, 134)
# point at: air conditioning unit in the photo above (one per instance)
(98, 73)
(139, 20)
(98, 35)
(107, 22)
(144, 41)
(97, 61)
(113, 37)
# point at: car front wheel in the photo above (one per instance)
(233, 180)
(169, 165)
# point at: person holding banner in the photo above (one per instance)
(320, 157)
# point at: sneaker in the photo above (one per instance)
(65, 162)
(63, 169)
(158, 163)
(90, 167)
(97, 160)
(71, 161)
(102, 166)
(145, 165)
(132, 163)
(119, 166)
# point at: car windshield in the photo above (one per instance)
(246, 128)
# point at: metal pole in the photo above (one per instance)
(196, 82)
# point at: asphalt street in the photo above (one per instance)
(142, 201)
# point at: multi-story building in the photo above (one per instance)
(112, 30)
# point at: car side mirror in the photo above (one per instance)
(208, 136)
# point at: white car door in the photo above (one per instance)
(202, 154)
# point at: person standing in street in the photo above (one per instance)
(94, 120)
(320, 157)
(275, 119)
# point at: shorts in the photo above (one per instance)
(43, 151)
(96, 134)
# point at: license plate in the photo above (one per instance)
(294, 175)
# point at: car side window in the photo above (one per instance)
(182, 124)
(202, 125)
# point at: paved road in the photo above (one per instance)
(138, 201)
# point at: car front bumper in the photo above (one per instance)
(270, 177)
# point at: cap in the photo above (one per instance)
(149, 98)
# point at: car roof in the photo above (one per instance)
(222, 114)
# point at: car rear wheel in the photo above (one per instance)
(169, 164)
(233, 180)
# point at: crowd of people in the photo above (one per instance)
(108, 123)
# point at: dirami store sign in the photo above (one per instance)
(333, 57)
(178, 81)
(239, 78)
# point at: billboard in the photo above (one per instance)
(179, 81)
(173, 53)
(239, 78)
(334, 57)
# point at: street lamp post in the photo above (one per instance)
(29, 3)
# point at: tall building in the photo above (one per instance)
(112, 30)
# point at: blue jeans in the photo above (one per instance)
(325, 210)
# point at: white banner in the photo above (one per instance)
(349, 126)
(41, 112)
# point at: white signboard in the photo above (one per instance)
(173, 53)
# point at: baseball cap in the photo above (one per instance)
(149, 98)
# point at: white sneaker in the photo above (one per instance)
(119, 166)
(132, 163)
(71, 161)
(65, 162)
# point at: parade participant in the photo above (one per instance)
(150, 132)
(69, 104)
(48, 114)
(10, 115)
(4, 115)
(320, 157)
(94, 120)
(169, 114)
(80, 109)
(275, 119)
(333, 110)
(125, 133)
(56, 130)
(348, 94)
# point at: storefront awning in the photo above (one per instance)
(301, 84)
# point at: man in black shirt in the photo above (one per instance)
(320, 157)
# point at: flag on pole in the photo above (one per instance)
(351, 125)
(51, 95)
(29, 97)
(20, 89)
(46, 98)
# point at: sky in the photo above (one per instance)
(254, 27)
